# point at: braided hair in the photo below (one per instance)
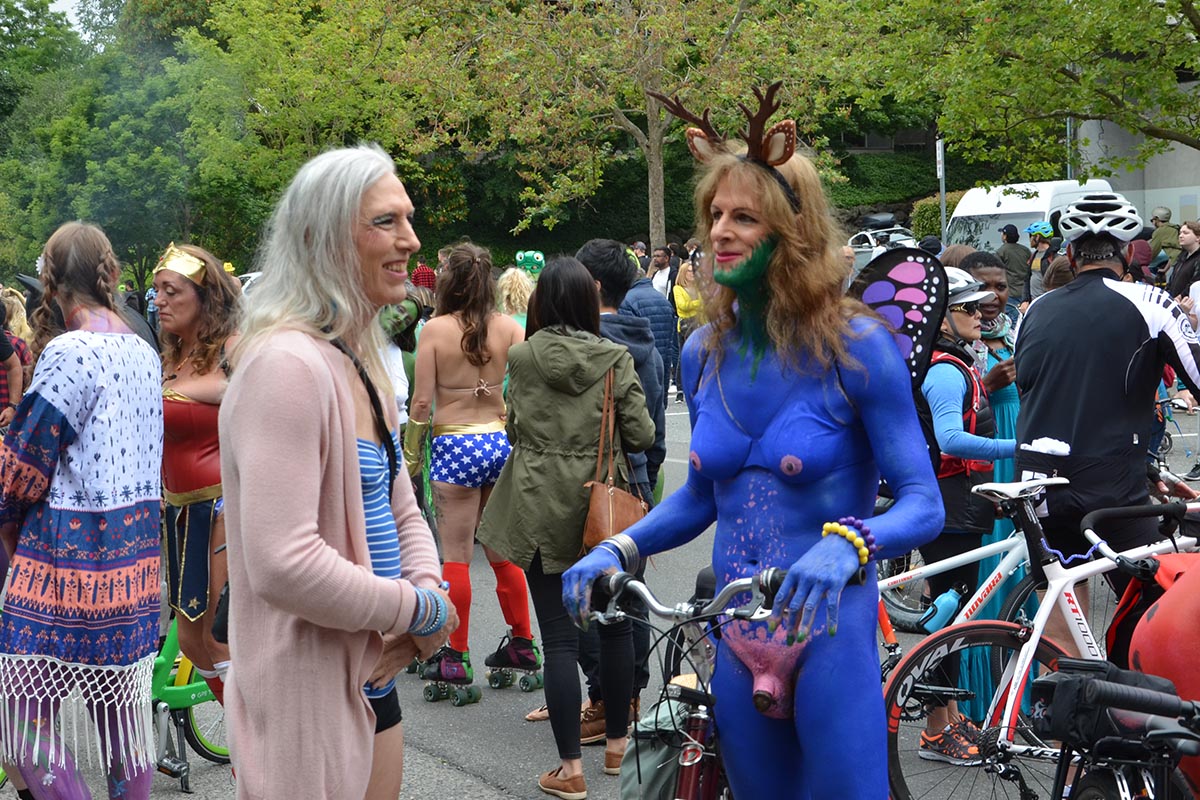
(78, 264)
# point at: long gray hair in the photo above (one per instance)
(311, 275)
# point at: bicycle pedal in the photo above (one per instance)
(173, 767)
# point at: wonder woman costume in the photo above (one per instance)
(192, 488)
(468, 454)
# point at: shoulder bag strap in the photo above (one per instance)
(611, 413)
(603, 432)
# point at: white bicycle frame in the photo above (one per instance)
(1061, 583)
(1015, 553)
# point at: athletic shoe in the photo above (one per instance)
(566, 788)
(1194, 474)
(966, 729)
(612, 762)
(949, 746)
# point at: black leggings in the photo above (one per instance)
(560, 646)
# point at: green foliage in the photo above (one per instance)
(926, 219)
(1007, 78)
(882, 178)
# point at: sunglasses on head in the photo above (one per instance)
(970, 308)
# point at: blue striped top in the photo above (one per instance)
(382, 537)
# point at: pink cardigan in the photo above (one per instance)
(306, 611)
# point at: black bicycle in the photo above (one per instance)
(1122, 733)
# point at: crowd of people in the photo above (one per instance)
(478, 401)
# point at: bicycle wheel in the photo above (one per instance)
(907, 602)
(1097, 785)
(1102, 607)
(919, 684)
(205, 728)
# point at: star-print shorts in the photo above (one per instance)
(469, 459)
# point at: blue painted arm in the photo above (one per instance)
(945, 388)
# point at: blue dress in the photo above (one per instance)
(1005, 404)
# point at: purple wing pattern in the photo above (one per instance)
(907, 288)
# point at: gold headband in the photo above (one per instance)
(185, 264)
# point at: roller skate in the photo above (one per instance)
(450, 675)
(515, 654)
(412, 667)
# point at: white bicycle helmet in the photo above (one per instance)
(1100, 213)
(961, 287)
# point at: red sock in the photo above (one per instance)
(458, 575)
(512, 593)
(218, 688)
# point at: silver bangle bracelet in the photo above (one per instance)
(629, 551)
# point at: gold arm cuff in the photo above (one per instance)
(181, 499)
(466, 428)
(414, 445)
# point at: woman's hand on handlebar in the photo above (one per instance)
(577, 582)
(819, 574)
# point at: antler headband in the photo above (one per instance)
(768, 150)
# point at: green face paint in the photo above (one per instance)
(750, 272)
(749, 281)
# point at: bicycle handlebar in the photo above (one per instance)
(1176, 511)
(1135, 698)
(609, 588)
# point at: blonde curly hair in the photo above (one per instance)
(513, 291)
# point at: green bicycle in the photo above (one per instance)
(184, 704)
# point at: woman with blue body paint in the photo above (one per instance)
(799, 401)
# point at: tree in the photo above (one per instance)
(33, 41)
(564, 86)
(1007, 77)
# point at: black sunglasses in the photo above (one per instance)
(971, 308)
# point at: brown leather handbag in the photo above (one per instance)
(610, 509)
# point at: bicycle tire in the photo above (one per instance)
(1096, 785)
(905, 604)
(205, 728)
(906, 699)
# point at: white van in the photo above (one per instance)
(981, 213)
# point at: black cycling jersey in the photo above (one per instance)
(1089, 359)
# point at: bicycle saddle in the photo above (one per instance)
(1017, 490)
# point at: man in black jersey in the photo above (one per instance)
(1089, 357)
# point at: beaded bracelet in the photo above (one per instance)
(422, 610)
(860, 537)
(441, 612)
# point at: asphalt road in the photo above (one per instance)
(487, 750)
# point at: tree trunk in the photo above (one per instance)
(655, 128)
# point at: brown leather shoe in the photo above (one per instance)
(612, 762)
(566, 788)
(591, 724)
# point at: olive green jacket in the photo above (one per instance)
(555, 395)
